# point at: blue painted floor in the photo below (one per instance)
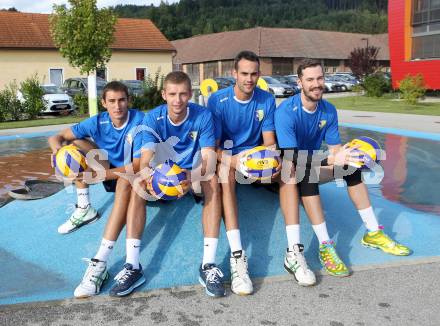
(39, 264)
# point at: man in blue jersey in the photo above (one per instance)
(184, 133)
(302, 123)
(111, 136)
(244, 119)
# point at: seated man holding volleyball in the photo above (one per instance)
(244, 120)
(177, 135)
(302, 123)
(113, 135)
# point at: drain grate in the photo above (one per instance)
(363, 116)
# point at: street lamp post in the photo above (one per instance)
(365, 39)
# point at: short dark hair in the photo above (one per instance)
(115, 86)
(247, 55)
(307, 63)
(177, 77)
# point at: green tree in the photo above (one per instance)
(84, 34)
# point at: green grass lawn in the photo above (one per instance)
(385, 104)
(41, 122)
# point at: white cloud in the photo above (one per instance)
(45, 7)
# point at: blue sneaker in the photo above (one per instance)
(211, 278)
(127, 280)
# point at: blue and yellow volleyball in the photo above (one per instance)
(369, 151)
(166, 179)
(69, 161)
(260, 163)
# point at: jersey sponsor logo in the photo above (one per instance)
(224, 99)
(295, 108)
(160, 118)
(322, 124)
(104, 122)
(259, 115)
(193, 135)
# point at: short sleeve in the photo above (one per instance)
(332, 132)
(150, 136)
(86, 128)
(268, 122)
(285, 128)
(207, 135)
(216, 117)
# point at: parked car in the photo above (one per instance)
(135, 87)
(332, 85)
(73, 86)
(54, 98)
(288, 80)
(224, 82)
(277, 88)
(346, 83)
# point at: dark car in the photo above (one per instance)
(224, 82)
(288, 80)
(135, 87)
(73, 86)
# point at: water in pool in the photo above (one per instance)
(410, 170)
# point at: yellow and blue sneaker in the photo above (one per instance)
(330, 260)
(379, 240)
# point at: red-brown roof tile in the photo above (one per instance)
(24, 30)
(276, 42)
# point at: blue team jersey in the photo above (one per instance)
(297, 128)
(180, 143)
(121, 144)
(239, 121)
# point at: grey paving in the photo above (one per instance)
(393, 295)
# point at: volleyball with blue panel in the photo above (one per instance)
(369, 150)
(166, 179)
(69, 161)
(259, 163)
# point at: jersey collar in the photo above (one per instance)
(125, 123)
(181, 122)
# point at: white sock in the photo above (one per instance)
(133, 250)
(321, 232)
(83, 197)
(293, 236)
(105, 250)
(209, 250)
(234, 240)
(369, 219)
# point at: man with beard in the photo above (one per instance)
(243, 117)
(302, 123)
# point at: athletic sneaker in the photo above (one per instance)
(80, 217)
(127, 280)
(330, 260)
(379, 240)
(241, 283)
(93, 279)
(210, 276)
(295, 263)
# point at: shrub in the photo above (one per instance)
(82, 103)
(376, 85)
(10, 106)
(412, 88)
(152, 95)
(33, 97)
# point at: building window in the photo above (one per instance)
(426, 29)
(331, 65)
(177, 67)
(101, 73)
(210, 69)
(282, 66)
(56, 76)
(193, 72)
(141, 73)
(227, 68)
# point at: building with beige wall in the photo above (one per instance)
(26, 48)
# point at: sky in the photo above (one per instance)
(45, 6)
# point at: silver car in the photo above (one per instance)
(278, 89)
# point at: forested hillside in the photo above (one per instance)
(193, 17)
